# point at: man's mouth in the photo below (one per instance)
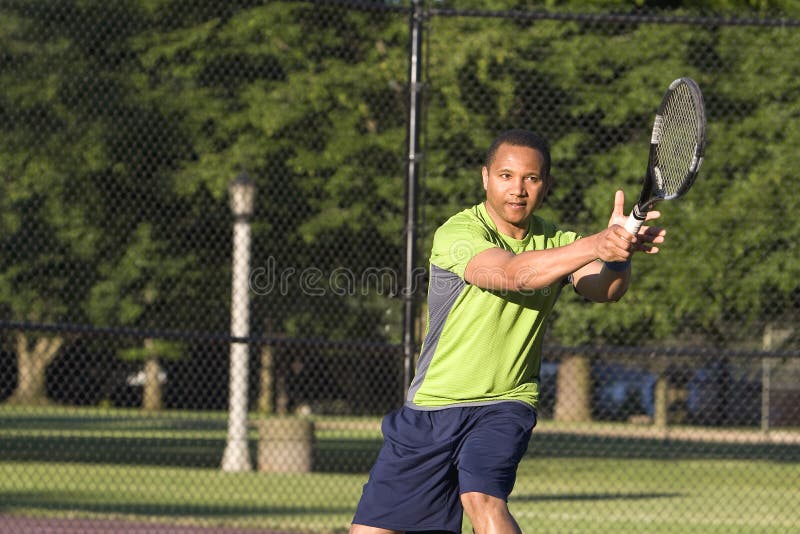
(517, 205)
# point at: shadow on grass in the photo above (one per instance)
(90, 438)
(111, 423)
(110, 450)
(582, 446)
(594, 497)
(88, 502)
(199, 443)
(330, 456)
(345, 455)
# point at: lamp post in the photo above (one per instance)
(237, 455)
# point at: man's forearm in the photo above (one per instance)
(601, 282)
(536, 269)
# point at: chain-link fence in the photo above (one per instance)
(155, 368)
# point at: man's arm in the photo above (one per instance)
(600, 282)
(500, 269)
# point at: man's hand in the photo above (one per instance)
(600, 282)
(617, 244)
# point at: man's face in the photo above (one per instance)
(515, 186)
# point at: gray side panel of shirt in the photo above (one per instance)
(444, 289)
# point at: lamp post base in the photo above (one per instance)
(236, 458)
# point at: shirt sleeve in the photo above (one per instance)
(457, 241)
(566, 238)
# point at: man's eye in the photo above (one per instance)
(532, 178)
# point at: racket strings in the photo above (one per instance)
(677, 149)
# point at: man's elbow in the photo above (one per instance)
(609, 295)
(616, 295)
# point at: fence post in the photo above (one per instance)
(661, 395)
(766, 377)
(772, 338)
(412, 181)
(265, 404)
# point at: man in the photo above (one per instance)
(496, 271)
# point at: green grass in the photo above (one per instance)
(124, 464)
(593, 495)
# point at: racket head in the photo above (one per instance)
(678, 142)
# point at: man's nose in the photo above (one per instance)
(518, 187)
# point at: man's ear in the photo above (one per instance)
(485, 174)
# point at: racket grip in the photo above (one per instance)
(635, 221)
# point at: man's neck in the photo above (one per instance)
(506, 228)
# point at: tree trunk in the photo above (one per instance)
(281, 391)
(573, 390)
(265, 392)
(661, 402)
(32, 362)
(660, 393)
(153, 394)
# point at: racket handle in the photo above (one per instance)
(635, 221)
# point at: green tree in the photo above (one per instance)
(592, 88)
(143, 288)
(90, 199)
(48, 240)
(309, 100)
(163, 104)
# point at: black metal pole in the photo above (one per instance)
(412, 182)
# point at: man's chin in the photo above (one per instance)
(517, 217)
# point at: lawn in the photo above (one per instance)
(163, 467)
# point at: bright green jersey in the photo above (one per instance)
(482, 346)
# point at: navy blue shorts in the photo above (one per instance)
(429, 458)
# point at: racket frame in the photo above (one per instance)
(650, 195)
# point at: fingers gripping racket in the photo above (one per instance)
(677, 147)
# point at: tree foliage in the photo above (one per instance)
(122, 123)
(728, 267)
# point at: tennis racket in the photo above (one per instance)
(677, 148)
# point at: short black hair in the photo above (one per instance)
(519, 137)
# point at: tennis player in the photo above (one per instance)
(496, 270)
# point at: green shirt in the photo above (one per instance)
(481, 346)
